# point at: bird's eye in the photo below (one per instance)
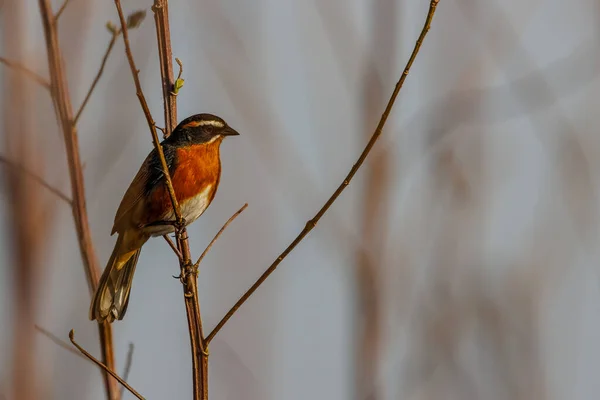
(208, 129)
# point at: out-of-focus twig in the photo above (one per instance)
(310, 224)
(104, 367)
(64, 111)
(21, 169)
(374, 209)
(26, 71)
(128, 364)
(28, 212)
(61, 9)
(59, 341)
(230, 220)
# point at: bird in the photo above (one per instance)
(192, 153)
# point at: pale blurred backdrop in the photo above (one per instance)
(461, 263)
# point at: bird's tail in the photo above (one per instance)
(112, 295)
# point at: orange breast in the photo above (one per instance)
(197, 166)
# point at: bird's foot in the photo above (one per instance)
(187, 270)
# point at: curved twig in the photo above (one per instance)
(313, 222)
(230, 220)
(26, 71)
(101, 365)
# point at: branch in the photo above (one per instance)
(313, 222)
(128, 364)
(26, 71)
(230, 220)
(36, 178)
(173, 247)
(64, 112)
(111, 44)
(133, 21)
(104, 367)
(165, 55)
(188, 274)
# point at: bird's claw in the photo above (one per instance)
(187, 270)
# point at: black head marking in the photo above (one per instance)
(197, 129)
(201, 128)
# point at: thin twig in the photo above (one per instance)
(36, 178)
(64, 112)
(313, 222)
(178, 82)
(26, 71)
(173, 247)
(59, 341)
(128, 364)
(61, 9)
(104, 367)
(230, 220)
(111, 44)
(147, 114)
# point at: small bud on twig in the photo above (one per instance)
(111, 27)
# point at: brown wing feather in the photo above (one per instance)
(132, 197)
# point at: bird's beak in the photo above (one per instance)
(229, 131)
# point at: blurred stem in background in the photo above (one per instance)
(64, 112)
(28, 211)
(381, 49)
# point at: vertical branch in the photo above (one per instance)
(64, 111)
(165, 55)
(192, 308)
(188, 272)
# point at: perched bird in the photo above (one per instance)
(192, 155)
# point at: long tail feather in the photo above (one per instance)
(112, 295)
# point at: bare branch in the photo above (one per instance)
(165, 55)
(111, 44)
(173, 247)
(26, 71)
(36, 178)
(230, 220)
(313, 222)
(104, 367)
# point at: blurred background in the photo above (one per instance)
(461, 263)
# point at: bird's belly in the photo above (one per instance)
(191, 209)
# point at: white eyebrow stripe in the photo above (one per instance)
(215, 123)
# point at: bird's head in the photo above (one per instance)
(202, 128)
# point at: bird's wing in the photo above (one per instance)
(132, 197)
(148, 178)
